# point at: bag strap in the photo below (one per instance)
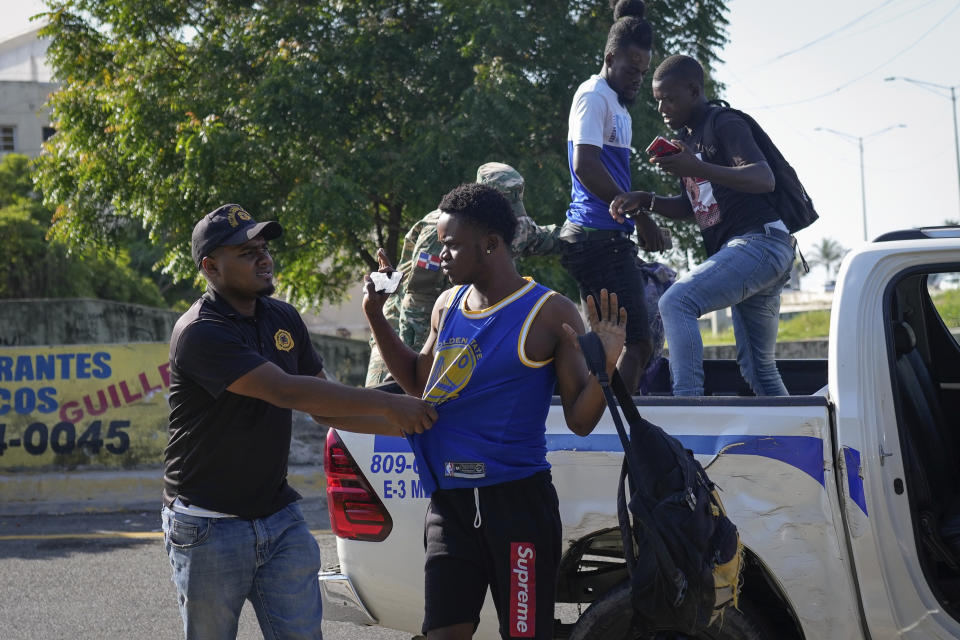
(593, 352)
(592, 349)
(803, 261)
(639, 427)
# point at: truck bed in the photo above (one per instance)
(802, 377)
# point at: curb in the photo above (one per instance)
(52, 493)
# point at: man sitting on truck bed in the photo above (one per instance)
(498, 346)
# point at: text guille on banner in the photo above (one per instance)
(97, 405)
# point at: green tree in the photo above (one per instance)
(346, 121)
(39, 268)
(16, 186)
(42, 269)
(828, 254)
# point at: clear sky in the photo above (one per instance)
(796, 66)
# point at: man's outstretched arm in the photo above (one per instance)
(673, 207)
(592, 174)
(358, 424)
(333, 401)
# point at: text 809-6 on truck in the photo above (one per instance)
(846, 494)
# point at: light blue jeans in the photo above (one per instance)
(220, 562)
(748, 273)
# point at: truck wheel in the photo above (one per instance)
(609, 619)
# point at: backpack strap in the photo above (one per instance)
(709, 139)
(593, 352)
(592, 349)
(803, 261)
(789, 197)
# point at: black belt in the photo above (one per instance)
(582, 235)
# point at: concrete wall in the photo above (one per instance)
(81, 321)
(796, 349)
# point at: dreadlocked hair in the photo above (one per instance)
(629, 26)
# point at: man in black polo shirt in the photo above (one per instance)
(239, 362)
(750, 252)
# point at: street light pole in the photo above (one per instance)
(863, 190)
(863, 182)
(953, 103)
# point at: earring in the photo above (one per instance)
(488, 250)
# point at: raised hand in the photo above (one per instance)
(610, 325)
(374, 300)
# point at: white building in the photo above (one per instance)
(25, 84)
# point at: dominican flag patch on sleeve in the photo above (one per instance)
(428, 262)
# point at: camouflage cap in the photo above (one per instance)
(507, 181)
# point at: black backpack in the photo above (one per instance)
(682, 553)
(790, 199)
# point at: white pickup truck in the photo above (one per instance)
(846, 494)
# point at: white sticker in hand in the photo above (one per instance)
(386, 283)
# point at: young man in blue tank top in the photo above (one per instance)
(499, 344)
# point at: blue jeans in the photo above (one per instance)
(220, 562)
(747, 273)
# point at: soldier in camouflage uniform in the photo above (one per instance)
(408, 310)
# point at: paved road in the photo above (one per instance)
(106, 577)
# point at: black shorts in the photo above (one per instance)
(610, 263)
(515, 551)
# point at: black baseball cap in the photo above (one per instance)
(226, 225)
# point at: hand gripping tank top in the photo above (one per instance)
(492, 401)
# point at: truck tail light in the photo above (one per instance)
(356, 512)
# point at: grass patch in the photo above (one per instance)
(805, 326)
(724, 337)
(809, 325)
(948, 306)
(812, 325)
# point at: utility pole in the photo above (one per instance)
(863, 182)
(953, 111)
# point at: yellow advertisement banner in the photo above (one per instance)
(75, 406)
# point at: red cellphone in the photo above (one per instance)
(662, 147)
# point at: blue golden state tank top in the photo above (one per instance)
(492, 401)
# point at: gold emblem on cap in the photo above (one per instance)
(235, 212)
(283, 340)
